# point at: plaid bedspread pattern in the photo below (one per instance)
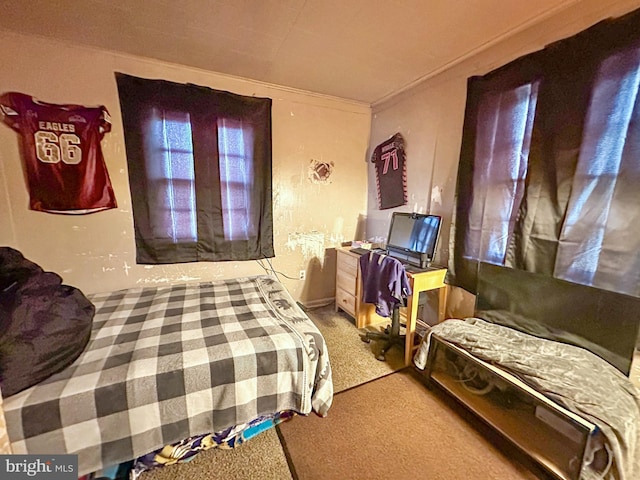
(172, 362)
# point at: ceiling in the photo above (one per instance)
(362, 50)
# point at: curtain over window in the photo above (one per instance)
(550, 163)
(199, 171)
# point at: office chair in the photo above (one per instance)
(391, 334)
(385, 284)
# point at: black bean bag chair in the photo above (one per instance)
(44, 325)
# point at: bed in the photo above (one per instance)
(569, 346)
(168, 363)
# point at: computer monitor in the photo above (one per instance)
(413, 237)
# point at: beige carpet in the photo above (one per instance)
(394, 427)
(353, 361)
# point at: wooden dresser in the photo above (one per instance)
(348, 295)
(348, 283)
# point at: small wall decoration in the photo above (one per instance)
(63, 161)
(391, 172)
(319, 172)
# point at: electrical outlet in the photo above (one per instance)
(303, 274)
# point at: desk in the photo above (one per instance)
(349, 296)
(422, 282)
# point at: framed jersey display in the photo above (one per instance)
(391, 172)
(60, 146)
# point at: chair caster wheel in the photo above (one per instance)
(380, 357)
(365, 339)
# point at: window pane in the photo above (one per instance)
(170, 170)
(235, 147)
(595, 248)
(505, 122)
(174, 144)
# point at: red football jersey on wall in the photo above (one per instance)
(60, 146)
(391, 172)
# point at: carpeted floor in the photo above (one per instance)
(394, 427)
(352, 360)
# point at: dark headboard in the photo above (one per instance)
(604, 322)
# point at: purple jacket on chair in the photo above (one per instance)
(384, 282)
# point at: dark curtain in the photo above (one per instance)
(550, 163)
(202, 110)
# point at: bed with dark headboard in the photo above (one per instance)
(570, 343)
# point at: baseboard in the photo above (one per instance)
(321, 302)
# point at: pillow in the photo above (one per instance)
(44, 325)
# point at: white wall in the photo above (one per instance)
(430, 117)
(96, 252)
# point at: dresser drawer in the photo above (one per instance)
(346, 301)
(348, 264)
(346, 281)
